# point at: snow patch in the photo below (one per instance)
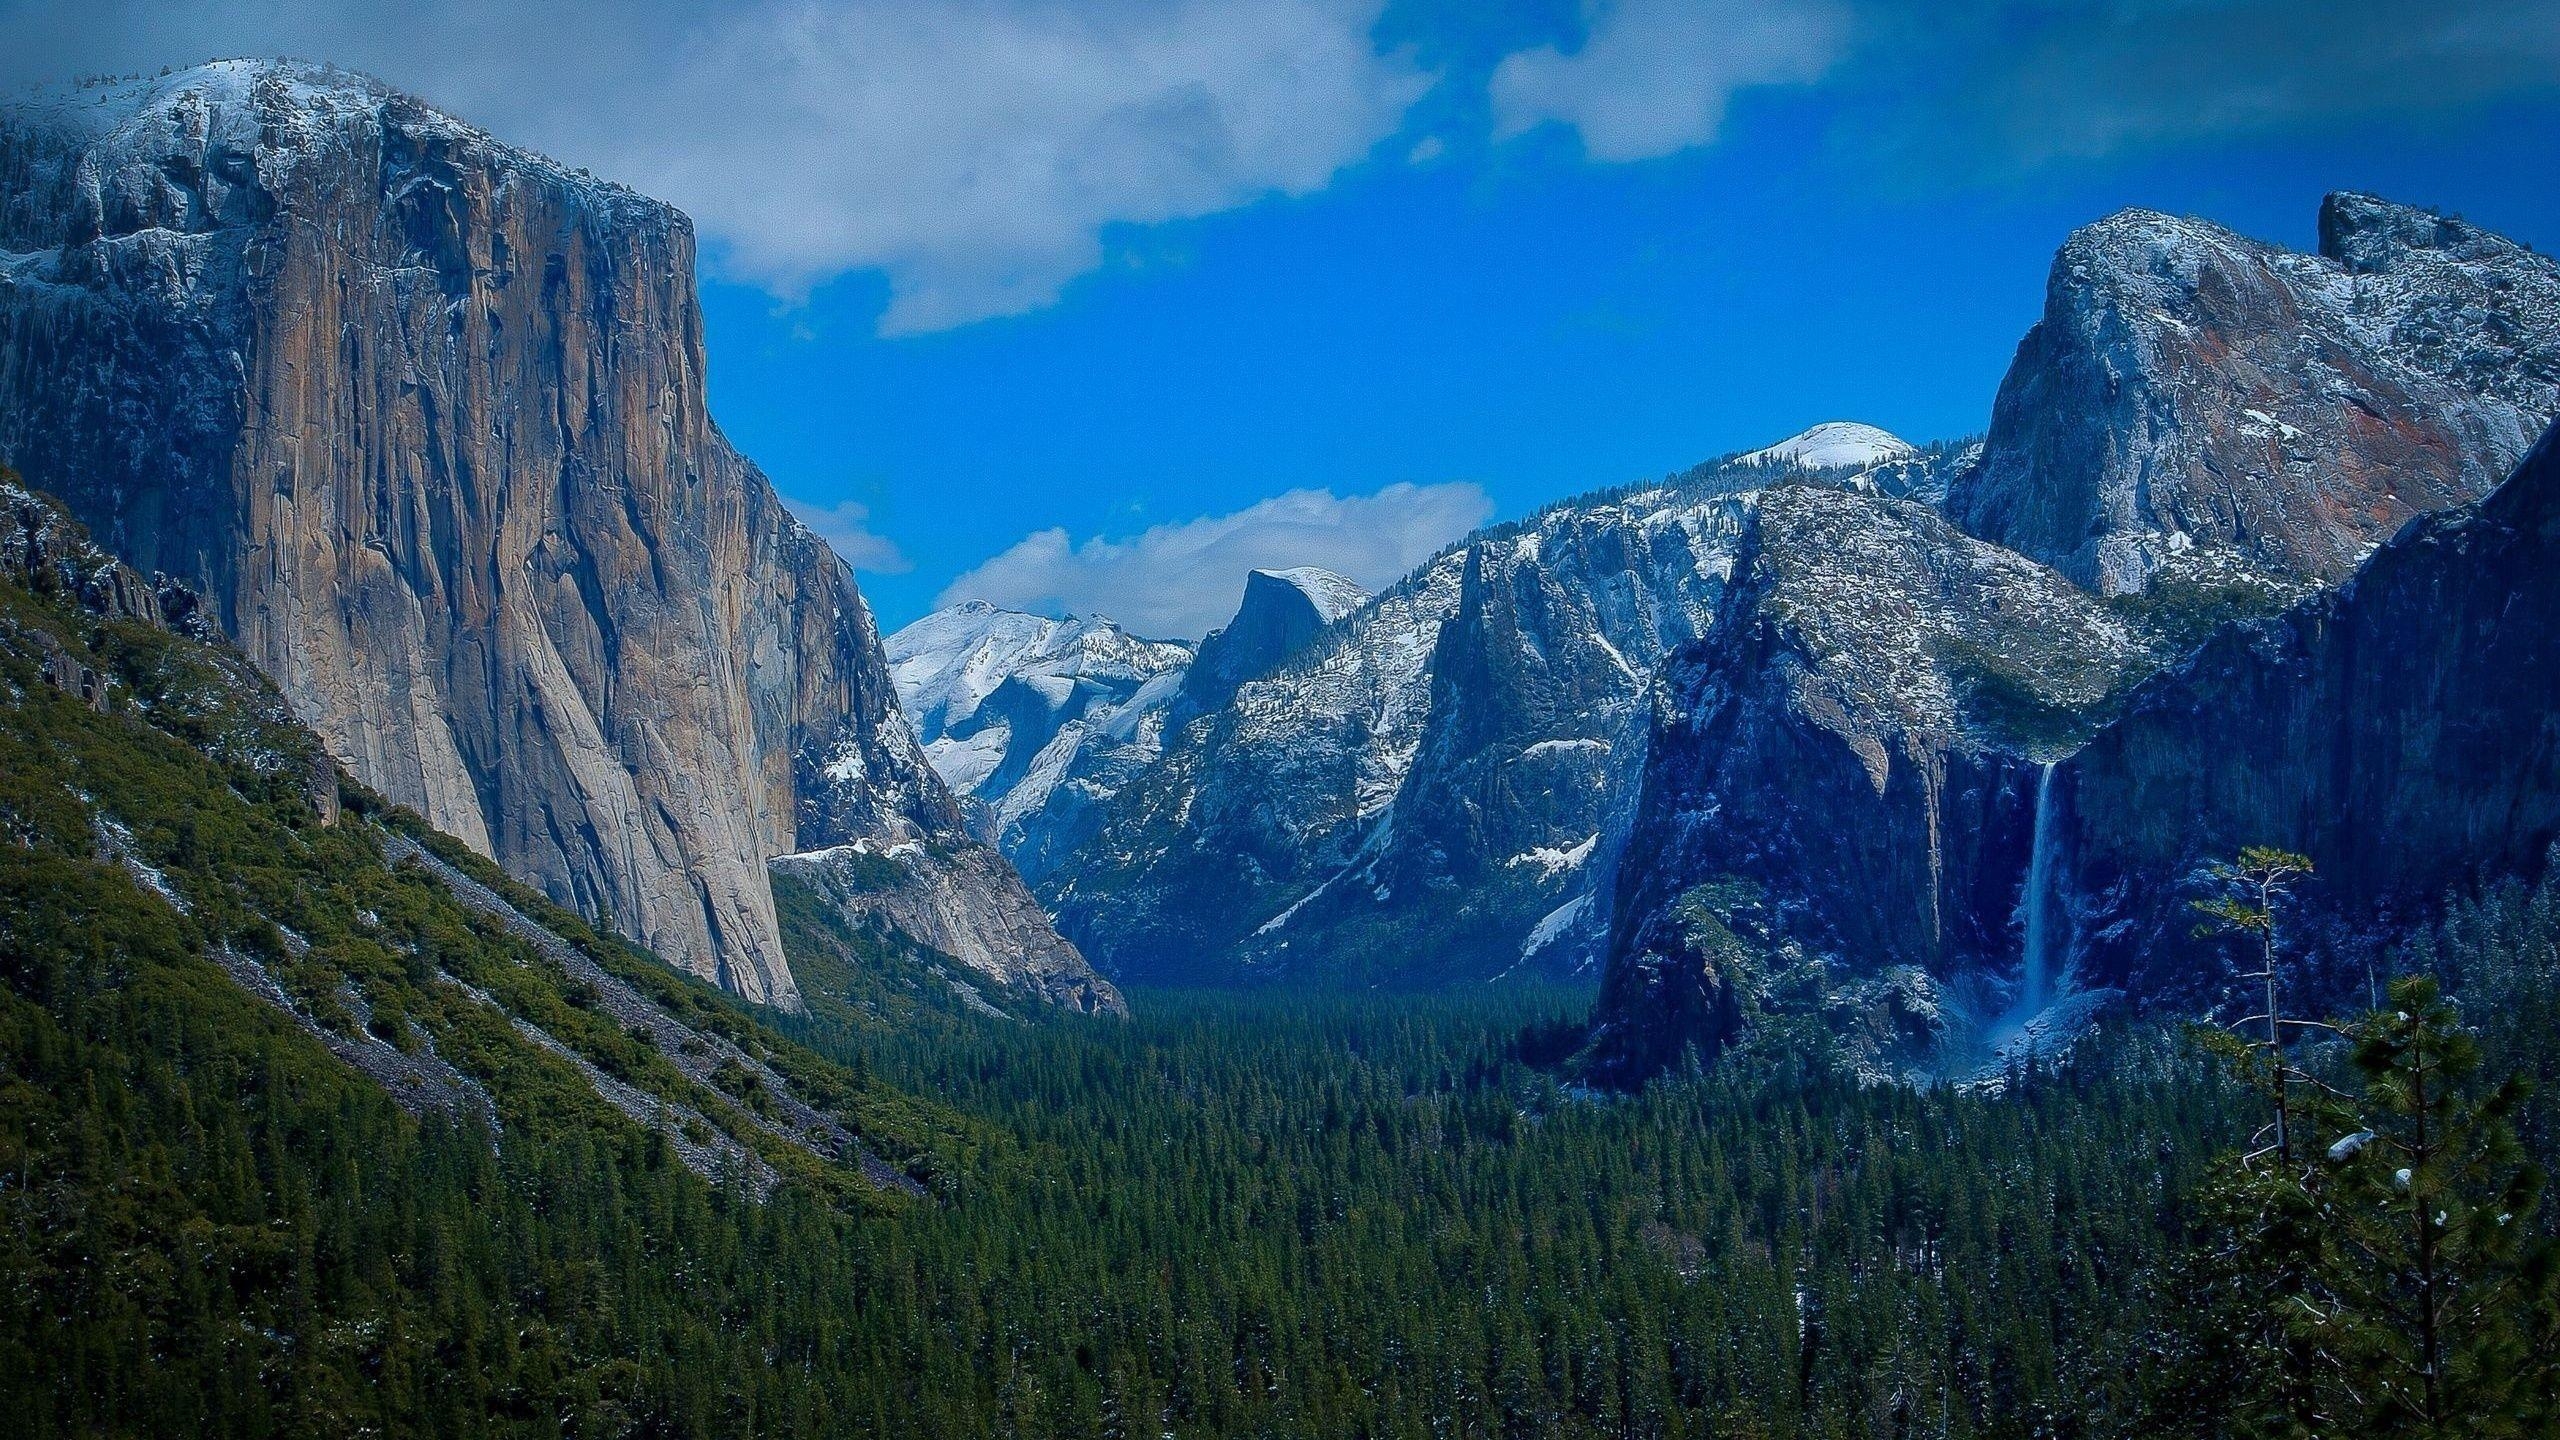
(1556, 922)
(1551, 861)
(1834, 445)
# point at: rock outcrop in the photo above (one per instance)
(2193, 398)
(1844, 765)
(960, 901)
(2404, 732)
(422, 417)
(1281, 612)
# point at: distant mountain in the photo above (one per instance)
(1282, 610)
(2194, 401)
(1032, 720)
(1417, 796)
(1835, 445)
(421, 415)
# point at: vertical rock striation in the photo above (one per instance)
(1421, 794)
(2403, 731)
(422, 416)
(1848, 757)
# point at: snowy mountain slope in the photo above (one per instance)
(1834, 445)
(1411, 797)
(1022, 712)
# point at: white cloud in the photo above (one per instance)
(973, 152)
(1184, 579)
(847, 527)
(1654, 76)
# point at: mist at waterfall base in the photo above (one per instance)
(2043, 1014)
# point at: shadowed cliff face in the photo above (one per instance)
(1281, 612)
(1842, 778)
(423, 417)
(1426, 793)
(2192, 397)
(1405, 798)
(2404, 732)
(1842, 765)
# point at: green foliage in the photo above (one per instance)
(2039, 704)
(2393, 1282)
(1232, 1216)
(2184, 609)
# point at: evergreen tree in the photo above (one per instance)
(2252, 886)
(2395, 1283)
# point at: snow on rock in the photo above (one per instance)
(1835, 445)
(1032, 718)
(2191, 391)
(420, 416)
(1333, 596)
(1479, 709)
(1553, 925)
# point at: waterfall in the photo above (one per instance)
(2046, 924)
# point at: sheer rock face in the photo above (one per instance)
(2404, 732)
(422, 416)
(2189, 391)
(1852, 744)
(1282, 611)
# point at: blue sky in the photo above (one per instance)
(1512, 317)
(1091, 306)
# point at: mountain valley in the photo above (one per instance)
(1974, 936)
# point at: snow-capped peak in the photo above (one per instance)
(1334, 596)
(947, 664)
(1835, 445)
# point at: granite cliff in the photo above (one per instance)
(1418, 795)
(421, 416)
(1839, 777)
(2403, 732)
(1282, 611)
(2195, 398)
(1866, 807)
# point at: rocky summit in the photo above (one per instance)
(421, 415)
(1282, 611)
(2193, 400)
(1875, 667)
(1916, 784)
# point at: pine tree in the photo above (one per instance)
(2392, 1284)
(2437, 1280)
(2252, 887)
